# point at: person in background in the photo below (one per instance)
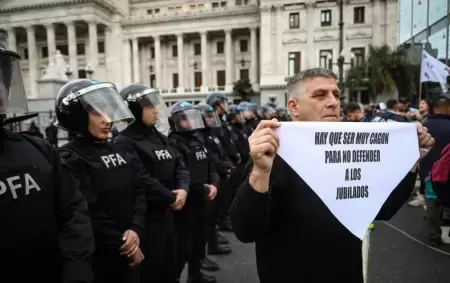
(51, 133)
(424, 110)
(391, 114)
(438, 125)
(354, 112)
(34, 130)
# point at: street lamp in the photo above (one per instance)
(89, 71)
(340, 62)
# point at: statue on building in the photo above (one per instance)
(56, 68)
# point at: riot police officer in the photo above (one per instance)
(108, 177)
(186, 122)
(217, 244)
(46, 232)
(249, 114)
(166, 165)
(239, 133)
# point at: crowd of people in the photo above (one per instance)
(140, 206)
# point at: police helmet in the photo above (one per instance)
(12, 92)
(210, 117)
(185, 117)
(79, 98)
(269, 112)
(215, 99)
(235, 111)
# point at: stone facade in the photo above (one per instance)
(186, 48)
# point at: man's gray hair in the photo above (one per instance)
(296, 80)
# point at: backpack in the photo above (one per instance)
(440, 177)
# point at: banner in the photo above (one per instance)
(352, 167)
(433, 70)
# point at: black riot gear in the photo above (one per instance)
(77, 98)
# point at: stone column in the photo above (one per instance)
(32, 60)
(93, 45)
(12, 42)
(254, 56)
(158, 62)
(136, 67)
(280, 71)
(205, 71)
(180, 45)
(126, 62)
(51, 44)
(72, 41)
(229, 60)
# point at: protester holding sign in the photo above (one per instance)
(298, 237)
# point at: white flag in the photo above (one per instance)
(433, 70)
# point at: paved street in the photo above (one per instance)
(394, 257)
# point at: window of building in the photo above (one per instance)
(81, 49)
(241, 2)
(325, 18)
(152, 52)
(359, 15)
(171, 9)
(157, 11)
(324, 58)
(221, 78)
(193, 6)
(215, 5)
(197, 49)
(293, 63)
(64, 48)
(197, 79)
(174, 51)
(243, 45)
(294, 20)
(243, 74)
(201, 5)
(360, 55)
(82, 74)
(220, 47)
(223, 4)
(174, 80)
(101, 47)
(178, 8)
(44, 52)
(149, 12)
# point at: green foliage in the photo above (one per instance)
(243, 88)
(384, 70)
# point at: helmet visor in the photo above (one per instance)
(212, 120)
(152, 97)
(104, 100)
(188, 120)
(13, 99)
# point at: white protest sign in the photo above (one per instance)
(352, 167)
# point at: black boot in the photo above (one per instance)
(201, 278)
(221, 240)
(209, 265)
(219, 250)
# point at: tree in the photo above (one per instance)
(243, 88)
(384, 70)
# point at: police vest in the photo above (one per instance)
(110, 183)
(158, 158)
(28, 198)
(197, 161)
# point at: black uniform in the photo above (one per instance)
(46, 232)
(110, 180)
(239, 134)
(165, 164)
(191, 222)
